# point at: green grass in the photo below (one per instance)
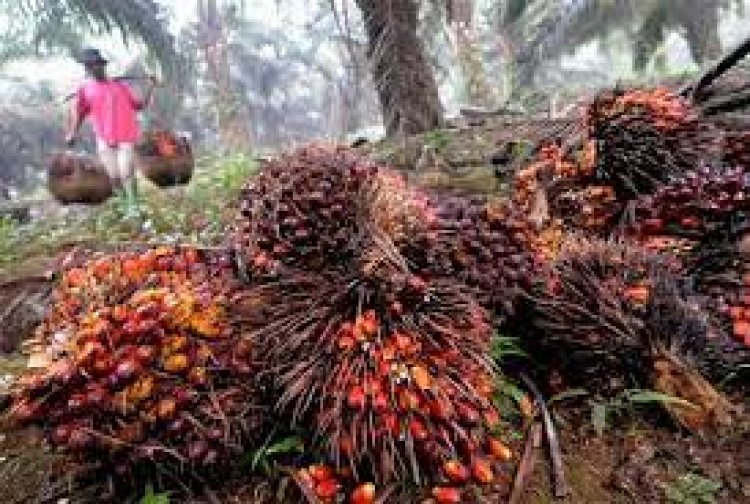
(198, 213)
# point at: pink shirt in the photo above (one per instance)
(113, 108)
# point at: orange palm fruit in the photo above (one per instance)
(491, 417)
(456, 471)
(421, 377)
(499, 450)
(177, 363)
(418, 429)
(363, 494)
(356, 398)
(482, 471)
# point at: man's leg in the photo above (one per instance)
(126, 165)
(108, 158)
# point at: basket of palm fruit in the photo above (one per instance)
(78, 178)
(165, 159)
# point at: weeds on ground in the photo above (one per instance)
(692, 489)
(197, 213)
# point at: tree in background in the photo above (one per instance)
(469, 53)
(213, 31)
(58, 27)
(405, 82)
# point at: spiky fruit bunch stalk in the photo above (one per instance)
(600, 302)
(144, 368)
(391, 370)
(620, 312)
(646, 136)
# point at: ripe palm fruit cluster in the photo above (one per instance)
(301, 210)
(391, 370)
(314, 210)
(381, 346)
(481, 242)
(646, 136)
(699, 202)
(621, 312)
(143, 364)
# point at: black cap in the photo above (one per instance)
(91, 56)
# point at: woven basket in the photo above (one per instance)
(78, 178)
(167, 171)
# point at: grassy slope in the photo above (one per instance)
(197, 213)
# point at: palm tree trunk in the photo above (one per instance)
(476, 85)
(233, 120)
(406, 85)
(700, 19)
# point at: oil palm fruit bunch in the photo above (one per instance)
(646, 136)
(620, 312)
(694, 204)
(143, 368)
(483, 243)
(301, 210)
(390, 369)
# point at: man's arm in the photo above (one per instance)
(77, 114)
(148, 97)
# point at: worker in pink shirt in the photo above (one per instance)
(113, 108)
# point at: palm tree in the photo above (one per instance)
(540, 30)
(49, 26)
(406, 85)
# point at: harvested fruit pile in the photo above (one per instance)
(142, 365)
(371, 318)
(645, 136)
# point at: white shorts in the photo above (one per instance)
(119, 161)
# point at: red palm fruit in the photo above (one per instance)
(418, 429)
(346, 342)
(356, 398)
(197, 450)
(363, 494)
(61, 434)
(320, 472)
(396, 308)
(80, 439)
(403, 342)
(456, 471)
(145, 354)
(482, 471)
(103, 365)
(25, 410)
(346, 446)
(467, 413)
(498, 450)
(446, 495)
(380, 402)
(391, 424)
(126, 370)
(441, 409)
(327, 489)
